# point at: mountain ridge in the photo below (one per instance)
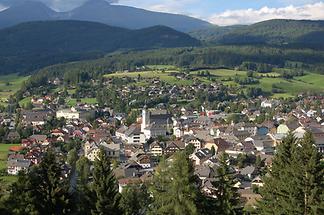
(32, 45)
(99, 11)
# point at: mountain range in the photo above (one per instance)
(98, 11)
(32, 45)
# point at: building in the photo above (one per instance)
(155, 123)
(131, 134)
(17, 164)
(74, 113)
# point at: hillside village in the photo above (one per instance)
(136, 146)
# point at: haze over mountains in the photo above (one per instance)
(99, 11)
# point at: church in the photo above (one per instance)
(155, 123)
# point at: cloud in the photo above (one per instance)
(313, 11)
(59, 5)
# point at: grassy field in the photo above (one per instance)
(73, 102)
(310, 82)
(9, 85)
(3, 163)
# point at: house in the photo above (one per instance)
(201, 156)
(13, 136)
(91, 150)
(173, 146)
(156, 149)
(39, 139)
(17, 164)
(196, 142)
(36, 118)
(257, 181)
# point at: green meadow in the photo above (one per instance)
(9, 85)
(310, 82)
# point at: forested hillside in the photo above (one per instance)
(33, 45)
(289, 33)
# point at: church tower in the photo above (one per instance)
(145, 118)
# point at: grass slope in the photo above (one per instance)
(9, 85)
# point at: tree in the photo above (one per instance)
(227, 196)
(135, 200)
(104, 187)
(72, 157)
(311, 176)
(43, 190)
(213, 150)
(173, 189)
(84, 194)
(294, 185)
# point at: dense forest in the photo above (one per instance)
(30, 46)
(280, 32)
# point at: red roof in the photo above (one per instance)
(16, 148)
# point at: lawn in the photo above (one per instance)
(9, 85)
(73, 102)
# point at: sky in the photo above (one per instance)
(229, 12)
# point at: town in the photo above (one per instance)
(207, 119)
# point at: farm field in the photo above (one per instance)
(9, 85)
(310, 82)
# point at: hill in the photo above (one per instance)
(33, 45)
(302, 33)
(98, 11)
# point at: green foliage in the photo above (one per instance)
(294, 185)
(172, 188)
(47, 43)
(228, 198)
(104, 187)
(135, 200)
(42, 190)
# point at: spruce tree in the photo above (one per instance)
(104, 187)
(311, 176)
(294, 183)
(227, 196)
(135, 200)
(43, 190)
(173, 190)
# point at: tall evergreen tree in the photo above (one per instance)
(227, 196)
(173, 190)
(43, 190)
(135, 200)
(294, 184)
(84, 195)
(104, 187)
(310, 175)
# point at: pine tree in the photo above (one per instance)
(227, 196)
(105, 187)
(43, 190)
(84, 196)
(311, 176)
(294, 184)
(135, 200)
(173, 190)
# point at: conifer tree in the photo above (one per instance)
(311, 176)
(43, 190)
(173, 190)
(227, 196)
(135, 200)
(104, 187)
(294, 184)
